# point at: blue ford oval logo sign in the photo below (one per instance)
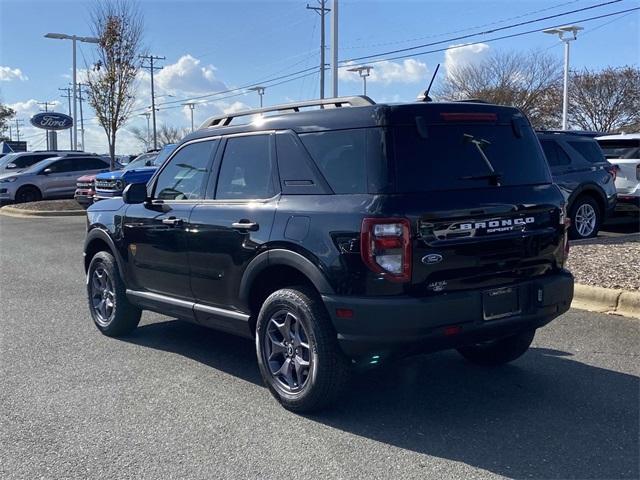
(432, 258)
(52, 121)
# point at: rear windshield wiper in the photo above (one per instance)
(479, 143)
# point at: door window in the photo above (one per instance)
(89, 164)
(247, 169)
(185, 176)
(62, 166)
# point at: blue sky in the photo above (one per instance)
(218, 45)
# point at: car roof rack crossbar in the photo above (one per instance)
(225, 120)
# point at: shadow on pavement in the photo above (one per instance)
(545, 416)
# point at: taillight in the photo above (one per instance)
(613, 171)
(385, 246)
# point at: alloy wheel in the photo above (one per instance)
(102, 296)
(286, 351)
(585, 220)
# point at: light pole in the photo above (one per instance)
(147, 114)
(74, 38)
(567, 34)
(260, 91)
(191, 105)
(364, 71)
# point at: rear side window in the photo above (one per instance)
(89, 164)
(341, 156)
(590, 151)
(447, 156)
(556, 156)
(297, 172)
(247, 168)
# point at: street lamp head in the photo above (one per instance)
(363, 71)
(57, 36)
(561, 31)
(258, 89)
(89, 39)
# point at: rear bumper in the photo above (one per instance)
(628, 202)
(384, 326)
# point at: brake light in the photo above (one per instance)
(613, 171)
(469, 117)
(385, 247)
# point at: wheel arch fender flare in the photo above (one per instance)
(591, 189)
(287, 258)
(98, 234)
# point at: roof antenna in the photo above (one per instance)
(424, 96)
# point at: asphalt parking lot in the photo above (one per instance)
(177, 401)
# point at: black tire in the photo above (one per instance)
(576, 213)
(498, 352)
(28, 193)
(328, 370)
(123, 317)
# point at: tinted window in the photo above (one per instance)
(25, 161)
(556, 156)
(184, 177)
(89, 164)
(590, 151)
(341, 156)
(62, 166)
(247, 168)
(297, 174)
(620, 148)
(445, 156)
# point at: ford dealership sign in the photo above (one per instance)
(52, 121)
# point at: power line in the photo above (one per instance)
(486, 32)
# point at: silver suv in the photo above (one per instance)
(51, 178)
(19, 161)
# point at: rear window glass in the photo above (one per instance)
(620, 148)
(556, 156)
(447, 156)
(590, 151)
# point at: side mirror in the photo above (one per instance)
(135, 193)
(10, 166)
(47, 171)
(148, 163)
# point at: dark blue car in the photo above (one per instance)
(140, 170)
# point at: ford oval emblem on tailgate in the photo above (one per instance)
(432, 258)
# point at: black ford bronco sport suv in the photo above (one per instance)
(340, 236)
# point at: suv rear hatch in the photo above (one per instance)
(625, 153)
(475, 186)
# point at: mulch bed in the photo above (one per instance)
(48, 205)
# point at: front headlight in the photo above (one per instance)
(8, 180)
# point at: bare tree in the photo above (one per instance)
(605, 101)
(118, 24)
(140, 135)
(530, 81)
(168, 134)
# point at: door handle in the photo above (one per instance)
(172, 221)
(245, 225)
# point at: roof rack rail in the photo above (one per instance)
(354, 101)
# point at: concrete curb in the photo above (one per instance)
(20, 212)
(606, 300)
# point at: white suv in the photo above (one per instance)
(623, 150)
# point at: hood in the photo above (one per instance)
(115, 175)
(108, 205)
(87, 178)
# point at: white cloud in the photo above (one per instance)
(8, 74)
(386, 72)
(187, 76)
(461, 55)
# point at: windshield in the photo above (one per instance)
(140, 161)
(624, 149)
(7, 159)
(164, 153)
(467, 155)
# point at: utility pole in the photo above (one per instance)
(151, 68)
(334, 48)
(68, 97)
(46, 109)
(18, 122)
(322, 11)
(81, 99)
(191, 106)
